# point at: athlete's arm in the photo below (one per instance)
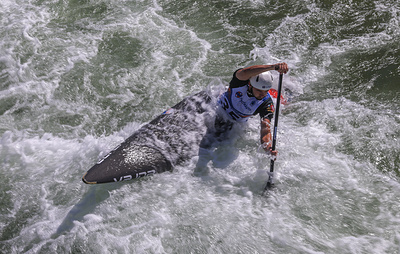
(248, 72)
(266, 138)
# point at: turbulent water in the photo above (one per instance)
(78, 77)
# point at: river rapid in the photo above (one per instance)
(77, 77)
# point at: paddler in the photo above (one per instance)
(248, 95)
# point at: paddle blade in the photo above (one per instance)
(270, 182)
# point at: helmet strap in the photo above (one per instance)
(250, 90)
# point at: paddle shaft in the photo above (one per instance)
(278, 104)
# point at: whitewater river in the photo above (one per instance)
(77, 77)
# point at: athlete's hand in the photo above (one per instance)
(273, 153)
(268, 149)
(281, 67)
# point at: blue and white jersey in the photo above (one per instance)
(239, 105)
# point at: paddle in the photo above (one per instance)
(270, 182)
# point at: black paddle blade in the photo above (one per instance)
(269, 186)
(270, 183)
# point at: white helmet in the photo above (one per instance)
(262, 81)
